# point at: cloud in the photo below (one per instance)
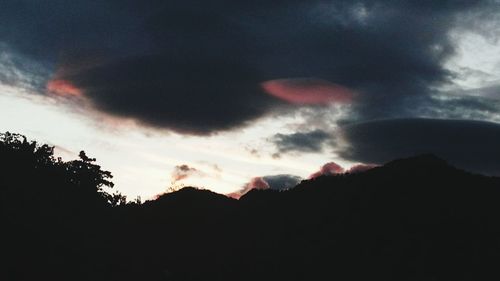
(190, 96)
(253, 151)
(489, 91)
(328, 169)
(282, 182)
(472, 145)
(274, 182)
(15, 70)
(307, 91)
(217, 168)
(359, 168)
(63, 88)
(333, 168)
(197, 67)
(312, 141)
(234, 195)
(254, 183)
(184, 171)
(257, 183)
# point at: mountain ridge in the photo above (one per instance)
(414, 218)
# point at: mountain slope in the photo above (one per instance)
(411, 219)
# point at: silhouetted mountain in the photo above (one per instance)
(412, 219)
(424, 161)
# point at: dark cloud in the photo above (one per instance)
(197, 66)
(457, 106)
(18, 71)
(274, 182)
(301, 142)
(184, 171)
(472, 145)
(191, 96)
(359, 168)
(282, 182)
(254, 152)
(491, 91)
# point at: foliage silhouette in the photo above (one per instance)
(411, 219)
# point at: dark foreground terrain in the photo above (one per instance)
(411, 219)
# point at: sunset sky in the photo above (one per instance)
(230, 95)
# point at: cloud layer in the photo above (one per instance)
(312, 141)
(197, 67)
(471, 145)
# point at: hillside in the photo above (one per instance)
(412, 219)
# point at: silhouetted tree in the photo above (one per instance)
(26, 162)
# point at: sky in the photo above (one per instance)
(234, 95)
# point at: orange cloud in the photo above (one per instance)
(307, 91)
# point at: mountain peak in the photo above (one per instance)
(426, 161)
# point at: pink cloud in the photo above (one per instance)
(330, 168)
(63, 88)
(234, 195)
(361, 168)
(182, 172)
(308, 91)
(255, 183)
(61, 84)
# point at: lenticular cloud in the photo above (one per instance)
(308, 91)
